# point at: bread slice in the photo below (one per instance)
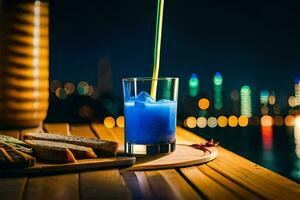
(59, 151)
(10, 157)
(100, 147)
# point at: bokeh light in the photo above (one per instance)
(120, 121)
(297, 90)
(264, 95)
(212, 122)
(297, 121)
(222, 121)
(69, 88)
(264, 110)
(109, 122)
(201, 122)
(54, 84)
(246, 102)
(233, 121)
(191, 122)
(193, 85)
(278, 120)
(272, 100)
(266, 120)
(61, 93)
(218, 79)
(82, 88)
(292, 101)
(243, 121)
(203, 103)
(289, 120)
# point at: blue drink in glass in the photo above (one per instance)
(149, 125)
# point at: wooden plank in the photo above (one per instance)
(138, 184)
(179, 186)
(228, 156)
(160, 187)
(53, 187)
(62, 128)
(102, 132)
(11, 133)
(237, 189)
(239, 161)
(104, 184)
(252, 181)
(207, 186)
(83, 130)
(12, 188)
(119, 134)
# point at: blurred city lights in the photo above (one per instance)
(266, 120)
(233, 121)
(212, 122)
(243, 121)
(69, 88)
(218, 80)
(109, 122)
(264, 110)
(297, 90)
(82, 88)
(246, 102)
(120, 121)
(297, 136)
(289, 120)
(267, 137)
(292, 101)
(297, 121)
(272, 100)
(191, 122)
(60, 93)
(203, 103)
(201, 122)
(264, 96)
(222, 121)
(193, 85)
(54, 84)
(278, 120)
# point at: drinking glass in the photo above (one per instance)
(150, 123)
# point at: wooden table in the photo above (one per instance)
(227, 177)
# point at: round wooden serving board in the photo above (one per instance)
(184, 155)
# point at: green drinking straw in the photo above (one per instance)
(158, 33)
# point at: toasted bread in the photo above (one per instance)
(100, 147)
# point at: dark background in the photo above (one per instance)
(254, 43)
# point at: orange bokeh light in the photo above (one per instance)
(203, 103)
(109, 122)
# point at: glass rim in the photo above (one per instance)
(149, 79)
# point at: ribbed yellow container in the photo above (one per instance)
(24, 63)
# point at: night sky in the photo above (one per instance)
(249, 42)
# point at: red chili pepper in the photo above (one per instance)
(203, 146)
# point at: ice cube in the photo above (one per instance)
(143, 98)
(164, 101)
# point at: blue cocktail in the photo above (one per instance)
(150, 125)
